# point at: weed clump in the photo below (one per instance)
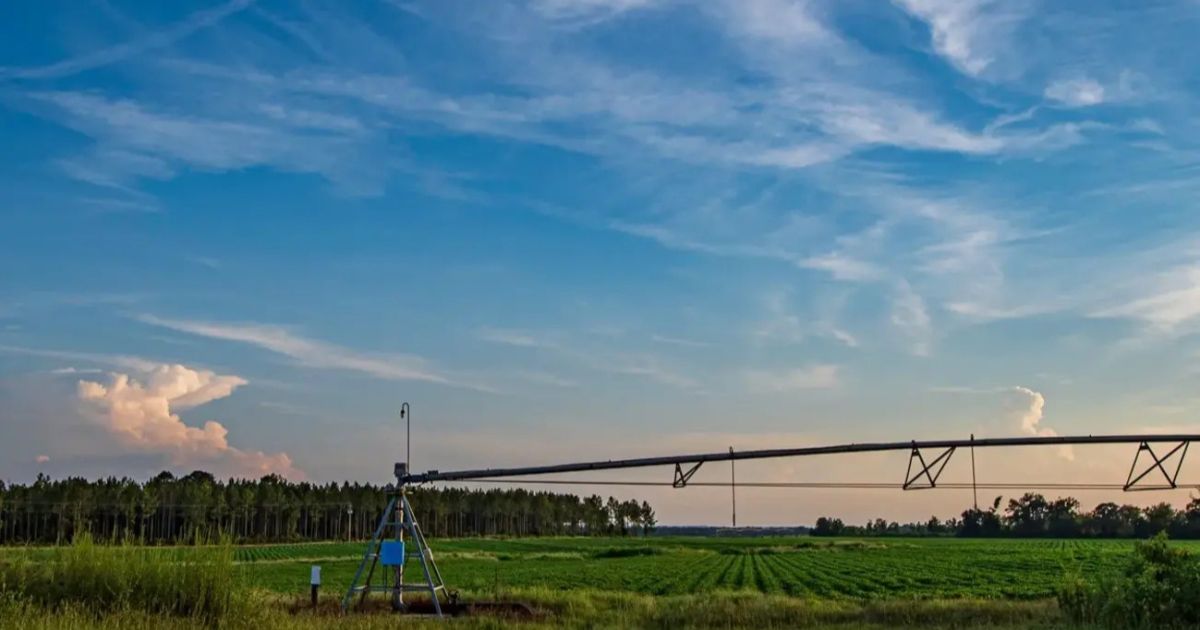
(1160, 588)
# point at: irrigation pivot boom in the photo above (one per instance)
(926, 474)
(398, 524)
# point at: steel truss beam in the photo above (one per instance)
(405, 478)
(913, 482)
(681, 477)
(1131, 482)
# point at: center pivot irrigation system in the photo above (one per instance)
(398, 538)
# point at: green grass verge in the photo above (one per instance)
(585, 609)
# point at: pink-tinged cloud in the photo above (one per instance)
(42, 459)
(1031, 410)
(141, 415)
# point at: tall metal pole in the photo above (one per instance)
(733, 487)
(974, 490)
(406, 415)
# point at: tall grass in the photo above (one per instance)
(193, 582)
(594, 609)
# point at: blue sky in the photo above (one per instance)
(568, 229)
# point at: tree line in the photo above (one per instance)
(197, 506)
(1033, 515)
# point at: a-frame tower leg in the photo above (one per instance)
(397, 540)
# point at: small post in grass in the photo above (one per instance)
(315, 581)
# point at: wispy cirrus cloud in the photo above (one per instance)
(600, 358)
(822, 108)
(116, 360)
(646, 367)
(136, 46)
(911, 317)
(967, 33)
(581, 13)
(541, 377)
(1080, 92)
(820, 376)
(511, 337)
(135, 141)
(898, 198)
(331, 117)
(1165, 302)
(309, 352)
(679, 341)
(780, 322)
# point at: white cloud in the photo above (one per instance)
(820, 376)
(847, 339)
(510, 337)
(1030, 408)
(781, 324)
(586, 12)
(1032, 416)
(821, 100)
(602, 359)
(965, 32)
(117, 360)
(987, 312)
(134, 141)
(645, 367)
(1022, 406)
(679, 341)
(42, 459)
(308, 352)
(204, 261)
(1148, 125)
(74, 370)
(1170, 301)
(539, 377)
(1080, 92)
(680, 237)
(125, 50)
(780, 21)
(902, 125)
(843, 267)
(142, 415)
(911, 318)
(955, 247)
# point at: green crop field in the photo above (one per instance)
(807, 567)
(664, 582)
(797, 566)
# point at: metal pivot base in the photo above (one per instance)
(927, 476)
(1131, 482)
(397, 525)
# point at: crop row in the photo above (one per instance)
(801, 567)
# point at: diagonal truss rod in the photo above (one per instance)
(913, 481)
(1131, 482)
(683, 477)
